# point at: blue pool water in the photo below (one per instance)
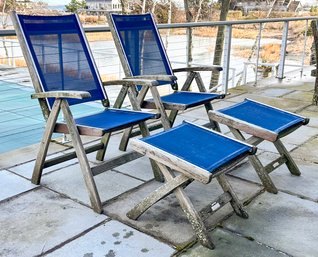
(21, 120)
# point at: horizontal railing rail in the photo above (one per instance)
(227, 69)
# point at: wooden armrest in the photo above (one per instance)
(62, 94)
(243, 126)
(201, 68)
(132, 82)
(169, 78)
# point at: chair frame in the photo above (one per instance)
(178, 174)
(258, 135)
(61, 103)
(193, 75)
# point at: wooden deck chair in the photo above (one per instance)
(262, 122)
(190, 152)
(142, 53)
(63, 73)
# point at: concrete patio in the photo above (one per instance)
(54, 219)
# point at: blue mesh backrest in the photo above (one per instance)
(142, 45)
(61, 56)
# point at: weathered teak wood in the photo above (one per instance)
(61, 99)
(79, 149)
(199, 68)
(62, 94)
(258, 135)
(44, 145)
(156, 102)
(243, 126)
(190, 170)
(82, 158)
(258, 166)
(187, 172)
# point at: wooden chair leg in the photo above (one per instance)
(174, 184)
(263, 175)
(214, 125)
(194, 218)
(125, 138)
(208, 106)
(156, 196)
(172, 116)
(82, 158)
(40, 159)
(189, 210)
(235, 202)
(259, 168)
(289, 160)
(101, 153)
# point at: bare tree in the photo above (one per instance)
(123, 4)
(154, 7)
(315, 34)
(189, 16)
(199, 11)
(218, 51)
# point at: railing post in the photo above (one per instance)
(258, 48)
(281, 66)
(226, 57)
(189, 46)
(304, 51)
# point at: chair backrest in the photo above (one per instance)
(58, 51)
(141, 45)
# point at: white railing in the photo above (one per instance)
(236, 69)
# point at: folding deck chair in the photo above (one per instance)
(190, 152)
(262, 122)
(63, 73)
(142, 53)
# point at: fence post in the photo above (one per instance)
(226, 57)
(281, 67)
(304, 51)
(258, 48)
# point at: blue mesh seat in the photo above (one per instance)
(64, 73)
(262, 122)
(206, 149)
(264, 116)
(189, 152)
(142, 54)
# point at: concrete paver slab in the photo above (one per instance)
(300, 136)
(139, 168)
(69, 181)
(275, 92)
(305, 185)
(114, 239)
(12, 185)
(40, 220)
(312, 112)
(300, 95)
(26, 169)
(230, 244)
(25, 154)
(165, 220)
(308, 151)
(112, 149)
(284, 222)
